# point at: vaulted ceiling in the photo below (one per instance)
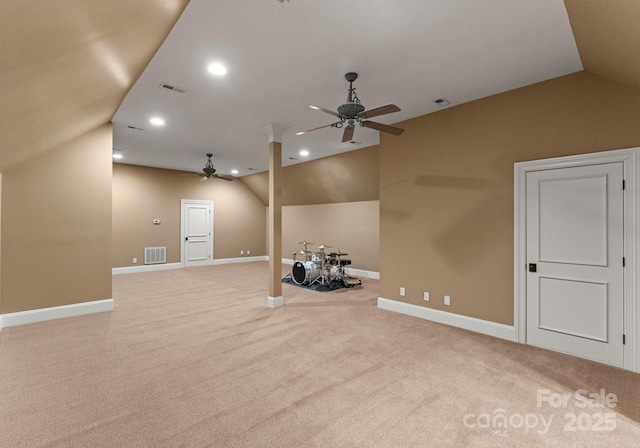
(68, 65)
(608, 37)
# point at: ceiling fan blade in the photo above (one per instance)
(315, 129)
(189, 174)
(383, 127)
(348, 133)
(379, 111)
(327, 111)
(224, 177)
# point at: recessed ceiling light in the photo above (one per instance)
(217, 69)
(117, 156)
(234, 171)
(304, 153)
(157, 121)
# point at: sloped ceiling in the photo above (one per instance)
(67, 65)
(281, 59)
(607, 34)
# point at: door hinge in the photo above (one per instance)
(624, 339)
(624, 262)
(624, 184)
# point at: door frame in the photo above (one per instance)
(184, 202)
(630, 159)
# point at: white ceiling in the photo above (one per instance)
(281, 59)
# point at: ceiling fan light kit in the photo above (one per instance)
(352, 112)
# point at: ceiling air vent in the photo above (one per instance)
(166, 85)
(442, 102)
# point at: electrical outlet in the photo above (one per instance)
(402, 291)
(426, 296)
(241, 252)
(248, 252)
(447, 300)
(135, 260)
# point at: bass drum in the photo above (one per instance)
(305, 272)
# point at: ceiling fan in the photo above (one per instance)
(353, 112)
(209, 171)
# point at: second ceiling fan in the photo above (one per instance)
(209, 172)
(353, 112)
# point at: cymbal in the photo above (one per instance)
(323, 246)
(337, 254)
(304, 242)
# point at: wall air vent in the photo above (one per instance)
(155, 255)
(166, 85)
(353, 142)
(134, 128)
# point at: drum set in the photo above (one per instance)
(320, 268)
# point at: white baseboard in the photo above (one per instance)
(145, 268)
(56, 312)
(455, 320)
(362, 273)
(161, 267)
(241, 259)
(350, 271)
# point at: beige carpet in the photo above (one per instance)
(193, 358)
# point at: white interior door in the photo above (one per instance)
(575, 249)
(197, 233)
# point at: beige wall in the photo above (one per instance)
(142, 194)
(56, 226)
(352, 227)
(349, 177)
(333, 200)
(446, 186)
(0, 246)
